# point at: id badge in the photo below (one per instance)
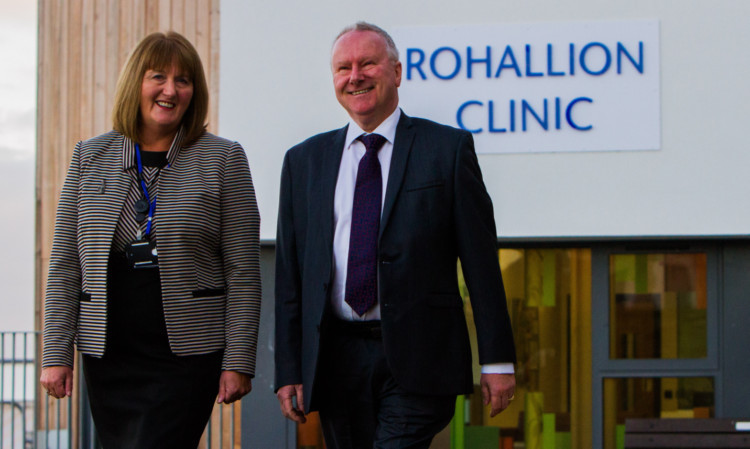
(142, 254)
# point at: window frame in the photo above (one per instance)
(605, 367)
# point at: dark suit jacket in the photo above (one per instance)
(436, 210)
(207, 227)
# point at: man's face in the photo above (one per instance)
(365, 79)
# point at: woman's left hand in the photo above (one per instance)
(232, 386)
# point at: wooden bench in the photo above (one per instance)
(687, 433)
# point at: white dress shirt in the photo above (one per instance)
(342, 208)
(342, 215)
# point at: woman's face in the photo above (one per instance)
(165, 96)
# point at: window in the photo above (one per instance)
(658, 306)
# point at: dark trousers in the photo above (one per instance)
(361, 405)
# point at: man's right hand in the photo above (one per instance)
(286, 395)
(58, 381)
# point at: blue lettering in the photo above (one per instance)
(569, 113)
(595, 58)
(471, 61)
(607, 60)
(456, 57)
(512, 65)
(526, 107)
(469, 110)
(572, 59)
(492, 119)
(621, 50)
(528, 63)
(460, 114)
(410, 64)
(551, 72)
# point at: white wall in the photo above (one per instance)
(276, 90)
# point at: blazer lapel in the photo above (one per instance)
(401, 149)
(113, 189)
(118, 183)
(331, 162)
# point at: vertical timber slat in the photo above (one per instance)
(213, 64)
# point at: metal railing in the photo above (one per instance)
(17, 390)
(31, 420)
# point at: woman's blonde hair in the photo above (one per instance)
(159, 51)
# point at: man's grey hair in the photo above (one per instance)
(390, 46)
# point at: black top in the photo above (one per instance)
(156, 159)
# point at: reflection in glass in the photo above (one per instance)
(653, 397)
(549, 300)
(658, 306)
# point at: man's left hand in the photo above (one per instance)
(497, 390)
(232, 386)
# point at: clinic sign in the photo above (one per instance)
(544, 87)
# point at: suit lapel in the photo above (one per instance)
(401, 149)
(331, 162)
(114, 186)
(118, 183)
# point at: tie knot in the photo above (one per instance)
(372, 141)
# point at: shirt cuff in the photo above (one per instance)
(498, 368)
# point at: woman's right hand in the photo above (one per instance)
(58, 381)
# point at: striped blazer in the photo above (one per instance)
(207, 226)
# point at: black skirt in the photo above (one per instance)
(143, 396)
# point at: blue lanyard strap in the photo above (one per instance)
(151, 203)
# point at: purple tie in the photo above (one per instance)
(362, 268)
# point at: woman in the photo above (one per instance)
(155, 271)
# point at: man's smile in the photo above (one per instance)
(362, 91)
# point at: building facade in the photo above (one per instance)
(611, 141)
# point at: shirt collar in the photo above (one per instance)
(386, 129)
(128, 150)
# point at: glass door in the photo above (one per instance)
(654, 324)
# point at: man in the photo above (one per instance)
(370, 328)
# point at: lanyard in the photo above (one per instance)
(151, 203)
